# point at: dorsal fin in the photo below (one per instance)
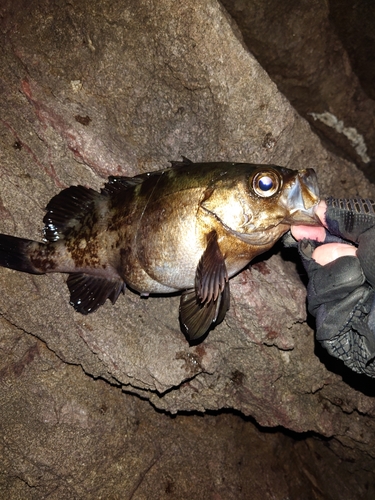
(67, 210)
(185, 161)
(116, 184)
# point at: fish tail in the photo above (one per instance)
(16, 253)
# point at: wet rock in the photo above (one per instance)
(67, 436)
(103, 88)
(316, 54)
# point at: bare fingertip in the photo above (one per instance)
(308, 232)
(321, 211)
(331, 251)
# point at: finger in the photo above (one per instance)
(332, 251)
(311, 232)
(321, 211)
(308, 232)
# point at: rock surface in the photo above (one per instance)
(68, 436)
(108, 88)
(303, 48)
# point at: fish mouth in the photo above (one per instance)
(297, 203)
(294, 205)
(301, 197)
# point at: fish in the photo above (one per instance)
(187, 228)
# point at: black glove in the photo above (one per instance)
(341, 294)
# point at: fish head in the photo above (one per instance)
(294, 195)
(259, 203)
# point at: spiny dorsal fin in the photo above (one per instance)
(185, 161)
(88, 293)
(209, 301)
(116, 184)
(67, 210)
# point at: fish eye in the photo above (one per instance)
(266, 184)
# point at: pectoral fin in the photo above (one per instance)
(88, 293)
(209, 301)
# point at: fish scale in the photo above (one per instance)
(187, 228)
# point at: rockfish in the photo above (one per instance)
(187, 228)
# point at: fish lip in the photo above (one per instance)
(259, 237)
(304, 218)
(301, 199)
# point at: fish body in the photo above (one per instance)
(187, 228)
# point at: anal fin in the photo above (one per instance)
(88, 293)
(209, 301)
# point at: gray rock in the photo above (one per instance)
(319, 57)
(101, 88)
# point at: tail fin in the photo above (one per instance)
(15, 254)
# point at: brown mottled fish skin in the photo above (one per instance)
(187, 228)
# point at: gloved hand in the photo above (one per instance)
(342, 280)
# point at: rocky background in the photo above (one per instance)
(117, 404)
